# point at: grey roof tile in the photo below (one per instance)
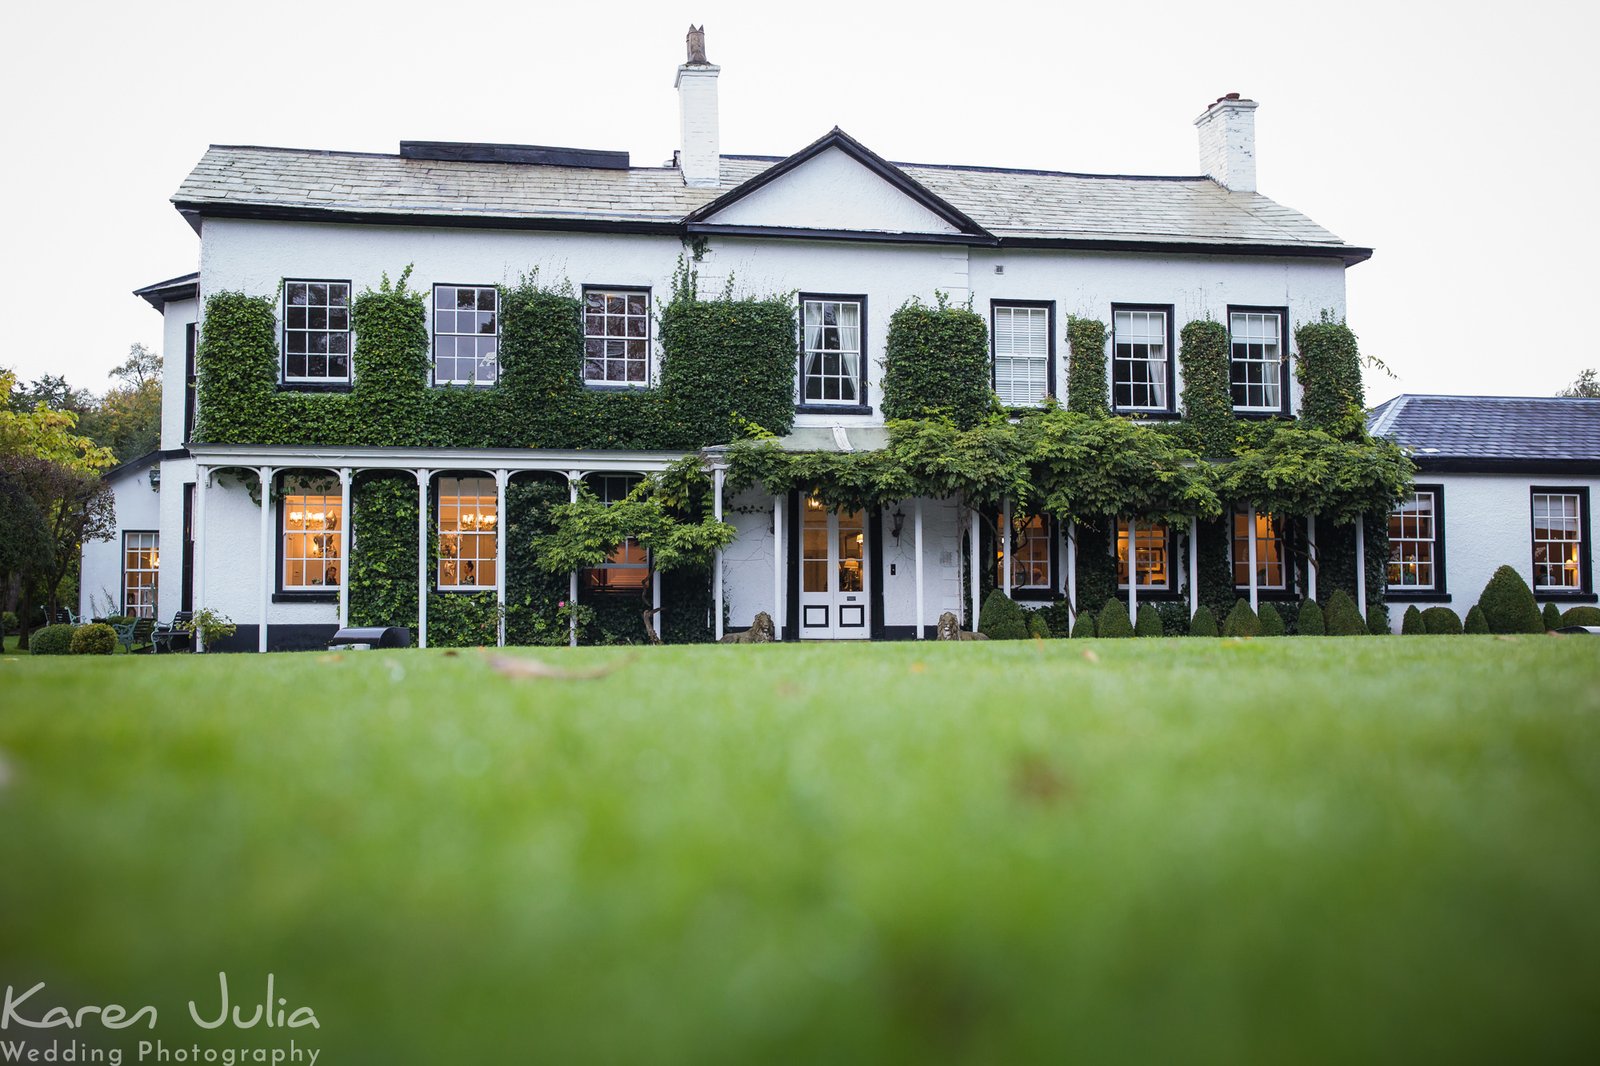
(1496, 428)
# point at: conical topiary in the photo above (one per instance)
(1038, 626)
(1378, 620)
(1310, 624)
(1411, 623)
(1271, 621)
(1204, 623)
(1114, 620)
(1242, 621)
(1149, 624)
(1552, 616)
(1476, 622)
(1083, 628)
(1441, 622)
(1002, 619)
(1508, 604)
(1343, 619)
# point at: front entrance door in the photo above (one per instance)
(833, 574)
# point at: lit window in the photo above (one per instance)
(1030, 552)
(311, 525)
(1272, 570)
(1257, 365)
(1021, 354)
(140, 571)
(316, 331)
(832, 362)
(627, 568)
(616, 338)
(1151, 553)
(466, 335)
(1141, 362)
(1558, 541)
(1414, 536)
(468, 533)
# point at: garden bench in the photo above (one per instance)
(166, 634)
(135, 633)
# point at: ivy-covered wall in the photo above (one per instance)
(936, 364)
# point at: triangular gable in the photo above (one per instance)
(836, 186)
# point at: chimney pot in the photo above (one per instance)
(700, 154)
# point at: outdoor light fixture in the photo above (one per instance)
(899, 520)
(155, 479)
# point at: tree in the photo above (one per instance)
(51, 391)
(1587, 385)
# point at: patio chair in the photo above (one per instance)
(165, 635)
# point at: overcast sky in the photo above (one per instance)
(1459, 140)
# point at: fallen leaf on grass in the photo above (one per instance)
(450, 653)
(330, 658)
(530, 668)
(1035, 780)
(1090, 656)
(1502, 636)
(919, 668)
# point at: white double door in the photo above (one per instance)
(834, 601)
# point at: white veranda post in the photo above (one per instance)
(202, 478)
(1072, 572)
(573, 477)
(1133, 571)
(1250, 533)
(1194, 566)
(973, 621)
(344, 547)
(1361, 565)
(422, 558)
(501, 477)
(1311, 557)
(717, 476)
(917, 518)
(267, 555)
(1005, 546)
(777, 567)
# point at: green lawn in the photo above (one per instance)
(1303, 850)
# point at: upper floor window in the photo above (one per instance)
(312, 520)
(616, 337)
(1151, 551)
(1259, 370)
(627, 567)
(141, 559)
(832, 363)
(1023, 350)
(1272, 557)
(466, 335)
(1416, 542)
(1141, 369)
(1560, 528)
(469, 520)
(316, 331)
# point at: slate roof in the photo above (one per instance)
(1012, 205)
(1490, 431)
(183, 287)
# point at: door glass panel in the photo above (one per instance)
(814, 548)
(852, 544)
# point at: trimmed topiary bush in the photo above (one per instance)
(1271, 621)
(1441, 622)
(1002, 619)
(1343, 618)
(1476, 622)
(1083, 628)
(1149, 624)
(1242, 621)
(8, 623)
(1378, 620)
(96, 638)
(1508, 604)
(1411, 623)
(1038, 626)
(1581, 616)
(1551, 616)
(1114, 620)
(1204, 623)
(52, 640)
(1310, 623)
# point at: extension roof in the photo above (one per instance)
(1486, 433)
(158, 295)
(982, 205)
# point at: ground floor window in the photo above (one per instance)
(1415, 540)
(1272, 556)
(312, 521)
(627, 567)
(141, 557)
(1558, 540)
(468, 533)
(1151, 550)
(1030, 551)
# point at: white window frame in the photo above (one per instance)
(1269, 363)
(1146, 545)
(1406, 528)
(1125, 332)
(295, 326)
(454, 526)
(318, 544)
(610, 488)
(1239, 550)
(602, 348)
(857, 377)
(454, 335)
(141, 543)
(1543, 496)
(1034, 356)
(1037, 544)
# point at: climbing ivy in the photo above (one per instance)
(1329, 371)
(936, 364)
(1207, 395)
(1086, 366)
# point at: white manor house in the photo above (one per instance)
(852, 237)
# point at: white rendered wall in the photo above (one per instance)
(832, 192)
(100, 577)
(175, 318)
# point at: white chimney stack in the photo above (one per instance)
(1228, 142)
(700, 154)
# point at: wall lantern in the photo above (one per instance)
(899, 520)
(155, 479)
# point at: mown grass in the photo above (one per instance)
(1304, 850)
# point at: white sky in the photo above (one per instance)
(1459, 139)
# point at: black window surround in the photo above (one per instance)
(1170, 410)
(1172, 590)
(433, 335)
(1439, 591)
(332, 384)
(1585, 592)
(592, 579)
(280, 593)
(649, 338)
(826, 406)
(1044, 593)
(1049, 307)
(1283, 408)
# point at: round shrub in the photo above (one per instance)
(1344, 619)
(1271, 621)
(1114, 620)
(1083, 628)
(1441, 622)
(1310, 624)
(1508, 604)
(1204, 623)
(1002, 619)
(96, 638)
(1551, 616)
(1149, 624)
(52, 640)
(1476, 622)
(1242, 621)
(8, 623)
(1411, 624)
(1581, 616)
(1038, 626)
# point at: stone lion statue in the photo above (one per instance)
(950, 629)
(761, 631)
